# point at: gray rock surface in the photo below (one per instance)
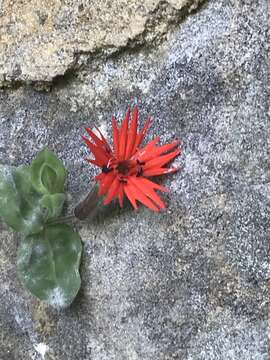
(193, 282)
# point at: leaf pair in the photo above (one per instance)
(32, 195)
(49, 255)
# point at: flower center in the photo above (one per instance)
(123, 167)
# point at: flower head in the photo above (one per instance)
(127, 166)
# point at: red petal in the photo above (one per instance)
(154, 185)
(106, 183)
(115, 137)
(99, 153)
(147, 189)
(121, 194)
(108, 148)
(157, 151)
(130, 196)
(142, 133)
(96, 139)
(113, 191)
(147, 149)
(161, 160)
(99, 177)
(138, 195)
(160, 171)
(132, 135)
(123, 136)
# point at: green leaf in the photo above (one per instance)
(32, 195)
(53, 204)
(20, 206)
(48, 264)
(48, 173)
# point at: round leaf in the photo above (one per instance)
(48, 264)
(53, 204)
(20, 207)
(48, 173)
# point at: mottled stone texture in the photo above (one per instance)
(193, 282)
(42, 39)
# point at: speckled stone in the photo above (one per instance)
(191, 283)
(43, 39)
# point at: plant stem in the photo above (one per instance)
(83, 210)
(88, 205)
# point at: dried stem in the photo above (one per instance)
(88, 205)
(83, 210)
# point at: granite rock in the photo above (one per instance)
(40, 39)
(190, 283)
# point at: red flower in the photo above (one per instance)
(126, 166)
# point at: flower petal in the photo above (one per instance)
(106, 183)
(100, 154)
(130, 196)
(157, 151)
(115, 137)
(123, 136)
(147, 189)
(121, 195)
(132, 134)
(113, 191)
(160, 171)
(142, 133)
(149, 148)
(95, 138)
(100, 177)
(139, 195)
(154, 185)
(162, 160)
(107, 146)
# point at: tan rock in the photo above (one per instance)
(41, 39)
